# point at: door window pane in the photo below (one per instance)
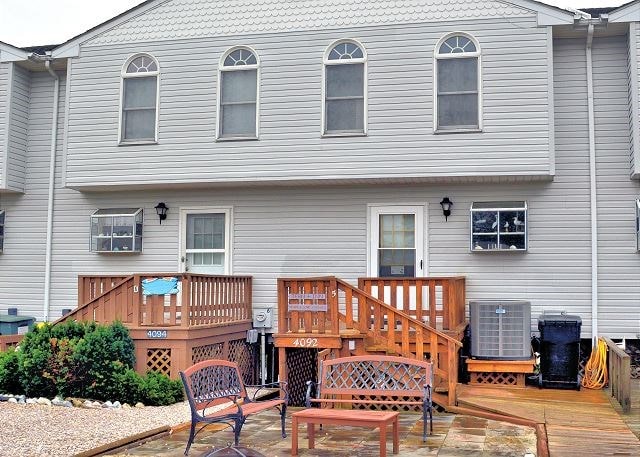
(397, 253)
(205, 231)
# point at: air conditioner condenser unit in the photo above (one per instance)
(500, 329)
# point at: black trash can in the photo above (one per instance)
(559, 351)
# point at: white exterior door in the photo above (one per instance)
(205, 240)
(397, 241)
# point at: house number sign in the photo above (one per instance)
(307, 302)
(156, 334)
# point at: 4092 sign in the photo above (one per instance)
(306, 342)
(156, 334)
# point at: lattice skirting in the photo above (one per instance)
(245, 356)
(209, 351)
(501, 379)
(302, 366)
(159, 360)
(383, 407)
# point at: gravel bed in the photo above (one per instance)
(39, 430)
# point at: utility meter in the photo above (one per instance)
(262, 318)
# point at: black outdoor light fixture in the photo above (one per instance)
(446, 207)
(161, 210)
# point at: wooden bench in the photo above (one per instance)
(212, 383)
(364, 381)
(358, 418)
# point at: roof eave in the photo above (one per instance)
(629, 12)
(9, 53)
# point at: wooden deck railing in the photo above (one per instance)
(202, 300)
(90, 286)
(7, 341)
(332, 306)
(438, 301)
(619, 364)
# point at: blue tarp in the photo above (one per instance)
(160, 286)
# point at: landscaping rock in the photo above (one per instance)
(31, 401)
(139, 405)
(107, 404)
(13, 400)
(116, 404)
(43, 401)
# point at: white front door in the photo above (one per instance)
(397, 235)
(205, 240)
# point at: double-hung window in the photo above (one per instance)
(238, 95)
(139, 114)
(458, 83)
(345, 88)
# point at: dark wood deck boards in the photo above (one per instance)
(580, 423)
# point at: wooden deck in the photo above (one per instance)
(569, 423)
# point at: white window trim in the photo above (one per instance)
(437, 56)
(222, 68)
(375, 209)
(365, 89)
(123, 75)
(228, 236)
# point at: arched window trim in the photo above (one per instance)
(124, 75)
(438, 56)
(222, 68)
(326, 62)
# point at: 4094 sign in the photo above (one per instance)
(156, 334)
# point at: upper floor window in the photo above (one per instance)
(345, 108)
(139, 115)
(238, 95)
(458, 84)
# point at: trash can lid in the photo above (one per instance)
(564, 318)
(8, 318)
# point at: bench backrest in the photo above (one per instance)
(212, 382)
(374, 375)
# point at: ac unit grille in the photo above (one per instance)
(500, 329)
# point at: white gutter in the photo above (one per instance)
(592, 187)
(52, 177)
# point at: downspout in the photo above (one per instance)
(52, 177)
(592, 188)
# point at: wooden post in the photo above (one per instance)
(185, 305)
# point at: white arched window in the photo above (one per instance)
(345, 89)
(139, 102)
(238, 94)
(458, 83)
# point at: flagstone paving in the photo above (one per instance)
(453, 436)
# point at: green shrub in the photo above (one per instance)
(9, 378)
(85, 360)
(159, 390)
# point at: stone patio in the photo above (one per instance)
(453, 436)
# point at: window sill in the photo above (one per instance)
(137, 143)
(446, 131)
(343, 134)
(237, 138)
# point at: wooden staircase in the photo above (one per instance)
(329, 313)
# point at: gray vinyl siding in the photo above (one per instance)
(400, 142)
(22, 262)
(634, 97)
(19, 116)
(619, 262)
(4, 94)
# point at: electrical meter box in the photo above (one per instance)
(263, 318)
